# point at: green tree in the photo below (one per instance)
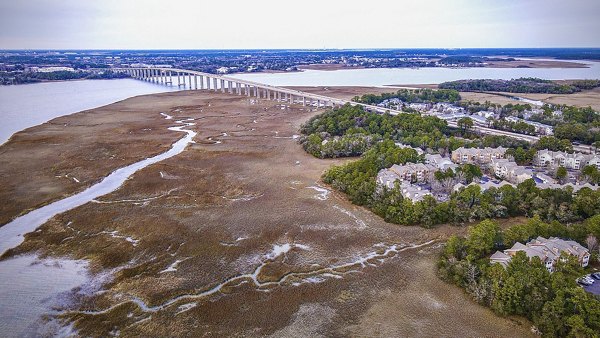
(482, 239)
(561, 174)
(465, 124)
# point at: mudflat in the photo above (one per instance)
(236, 236)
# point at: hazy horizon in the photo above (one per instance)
(312, 24)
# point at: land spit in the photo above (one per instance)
(235, 236)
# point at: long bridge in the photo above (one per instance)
(195, 80)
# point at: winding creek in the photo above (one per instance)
(23, 299)
(31, 287)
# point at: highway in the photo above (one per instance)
(156, 74)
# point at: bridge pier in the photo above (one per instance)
(214, 83)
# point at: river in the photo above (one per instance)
(30, 287)
(24, 106)
(378, 77)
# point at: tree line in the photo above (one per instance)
(411, 96)
(520, 85)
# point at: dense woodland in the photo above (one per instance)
(350, 130)
(411, 96)
(520, 85)
(374, 136)
(556, 305)
(10, 78)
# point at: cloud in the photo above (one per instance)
(131, 24)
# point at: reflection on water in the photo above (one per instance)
(20, 311)
(30, 288)
(24, 106)
(377, 77)
(12, 233)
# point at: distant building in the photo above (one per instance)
(54, 69)
(547, 250)
(404, 146)
(545, 158)
(476, 155)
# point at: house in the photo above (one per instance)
(595, 161)
(575, 187)
(520, 174)
(479, 120)
(540, 128)
(415, 193)
(486, 114)
(387, 178)
(410, 172)
(441, 163)
(483, 186)
(575, 161)
(414, 171)
(476, 155)
(511, 171)
(403, 146)
(547, 250)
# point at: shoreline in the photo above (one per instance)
(218, 210)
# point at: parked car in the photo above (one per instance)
(584, 281)
(596, 275)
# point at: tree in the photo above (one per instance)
(521, 156)
(591, 174)
(470, 171)
(561, 174)
(591, 242)
(465, 124)
(554, 144)
(482, 239)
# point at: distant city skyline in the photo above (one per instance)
(309, 24)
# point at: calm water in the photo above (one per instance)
(29, 290)
(25, 106)
(377, 77)
(30, 287)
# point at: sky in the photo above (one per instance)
(266, 24)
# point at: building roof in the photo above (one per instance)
(547, 250)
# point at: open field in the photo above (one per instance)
(238, 226)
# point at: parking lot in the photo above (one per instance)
(594, 288)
